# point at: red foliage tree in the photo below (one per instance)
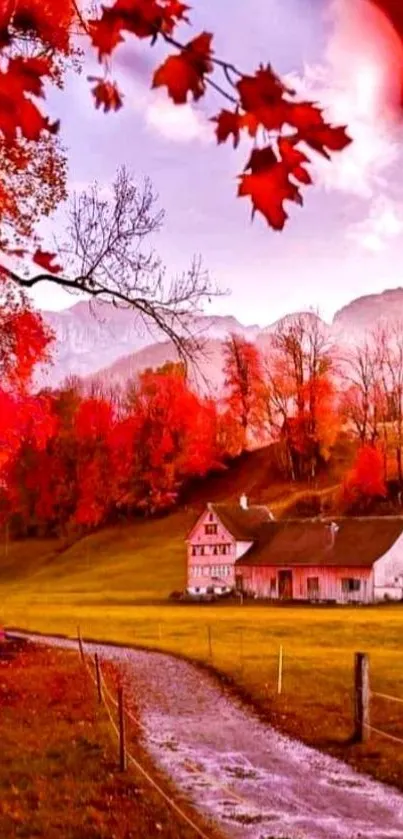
(25, 341)
(167, 437)
(366, 480)
(244, 384)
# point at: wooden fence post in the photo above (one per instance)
(80, 643)
(122, 743)
(210, 646)
(98, 673)
(280, 671)
(361, 697)
(241, 647)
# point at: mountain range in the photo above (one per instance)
(99, 342)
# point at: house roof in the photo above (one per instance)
(243, 524)
(358, 542)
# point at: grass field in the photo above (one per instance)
(59, 772)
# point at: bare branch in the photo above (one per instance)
(106, 255)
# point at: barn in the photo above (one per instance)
(349, 560)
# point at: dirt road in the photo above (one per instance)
(249, 780)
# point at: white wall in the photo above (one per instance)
(388, 573)
(241, 548)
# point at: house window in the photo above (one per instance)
(273, 585)
(206, 570)
(348, 584)
(312, 586)
(211, 517)
(210, 529)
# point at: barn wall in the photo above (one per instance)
(200, 567)
(388, 573)
(264, 582)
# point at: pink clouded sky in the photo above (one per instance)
(345, 242)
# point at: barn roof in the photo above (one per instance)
(243, 524)
(358, 542)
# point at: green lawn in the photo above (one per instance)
(115, 584)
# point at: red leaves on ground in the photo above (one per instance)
(185, 73)
(46, 261)
(106, 94)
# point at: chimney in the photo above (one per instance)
(332, 529)
(243, 502)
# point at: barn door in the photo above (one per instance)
(285, 585)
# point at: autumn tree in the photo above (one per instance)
(389, 357)
(362, 401)
(301, 404)
(25, 340)
(366, 480)
(167, 437)
(244, 385)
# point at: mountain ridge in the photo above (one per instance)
(96, 341)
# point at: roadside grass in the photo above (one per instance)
(58, 767)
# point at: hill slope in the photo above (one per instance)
(145, 560)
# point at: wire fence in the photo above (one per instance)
(105, 696)
(388, 698)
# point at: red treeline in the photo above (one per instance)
(68, 458)
(78, 460)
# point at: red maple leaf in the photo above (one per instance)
(268, 186)
(262, 95)
(307, 118)
(184, 73)
(143, 18)
(105, 35)
(232, 122)
(106, 94)
(46, 261)
(294, 159)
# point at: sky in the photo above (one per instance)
(347, 239)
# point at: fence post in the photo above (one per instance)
(210, 646)
(280, 671)
(241, 647)
(80, 643)
(98, 673)
(361, 697)
(122, 744)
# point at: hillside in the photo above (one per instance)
(145, 560)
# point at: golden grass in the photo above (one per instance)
(59, 763)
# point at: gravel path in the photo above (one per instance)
(251, 781)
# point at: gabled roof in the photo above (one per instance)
(243, 524)
(358, 542)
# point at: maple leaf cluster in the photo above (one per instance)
(261, 105)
